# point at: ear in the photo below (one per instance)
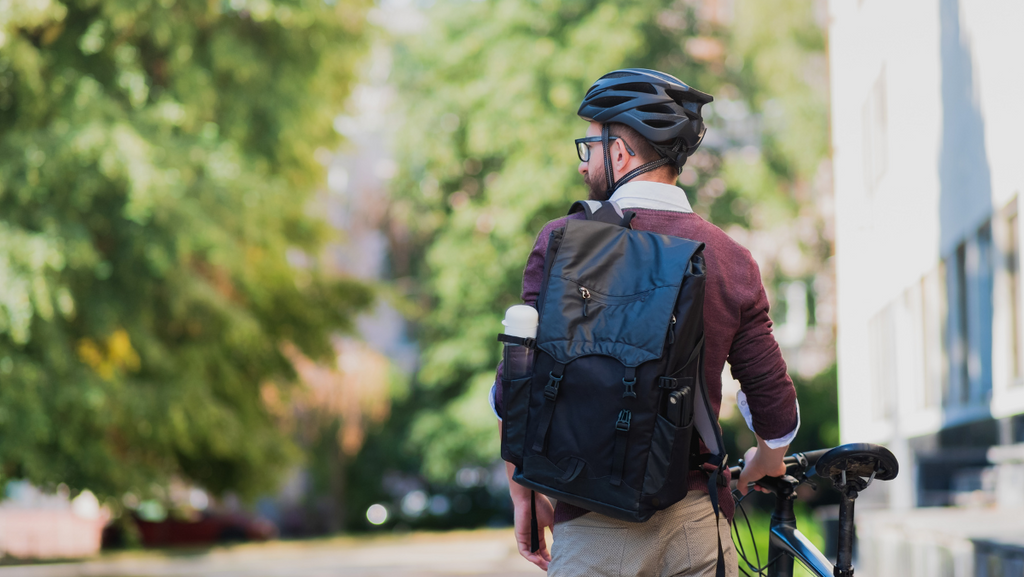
(620, 157)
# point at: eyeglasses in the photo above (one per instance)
(583, 146)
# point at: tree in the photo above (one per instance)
(155, 161)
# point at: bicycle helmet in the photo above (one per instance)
(659, 106)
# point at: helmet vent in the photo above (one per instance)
(610, 101)
(656, 109)
(618, 75)
(636, 87)
(654, 123)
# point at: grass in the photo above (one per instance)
(760, 521)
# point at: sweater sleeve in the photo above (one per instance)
(756, 360)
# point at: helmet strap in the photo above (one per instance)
(608, 174)
(638, 171)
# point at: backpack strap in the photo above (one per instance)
(707, 427)
(550, 395)
(535, 527)
(619, 451)
(607, 212)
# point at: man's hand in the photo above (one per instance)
(761, 461)
(545, 518)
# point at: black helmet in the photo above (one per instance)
(657, 105)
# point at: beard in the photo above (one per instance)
(596, 185)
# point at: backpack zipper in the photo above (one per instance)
(607, 299)
(586, 296)
(672, 330)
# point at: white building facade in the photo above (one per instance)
(928, 137)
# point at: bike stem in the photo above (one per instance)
(783, 515)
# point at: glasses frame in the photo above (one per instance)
(583, 144)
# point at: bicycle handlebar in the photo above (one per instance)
(792, 462)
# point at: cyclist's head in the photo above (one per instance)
(657, 106)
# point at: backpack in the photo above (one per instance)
(606, 421)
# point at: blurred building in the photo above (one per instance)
(928, 175)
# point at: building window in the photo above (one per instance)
(956, 393)
(1012, 264)
(981, 268)
(971, 275)
(933, 327)
(874, 119)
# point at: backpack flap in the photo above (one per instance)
(620, 309)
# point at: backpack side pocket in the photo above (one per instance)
(516, 401)
(662, 479)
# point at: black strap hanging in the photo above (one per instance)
(719, 462)
(619, 452)
(550, 394)
(535, 530)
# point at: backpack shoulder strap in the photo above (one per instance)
(607, 212)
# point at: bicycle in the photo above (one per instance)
(851, 468)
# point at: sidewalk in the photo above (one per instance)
(489, 553)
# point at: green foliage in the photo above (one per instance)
(783, 75)
(819, 426)
(777, 66)
(155, 162)
(819, 417)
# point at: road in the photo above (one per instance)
(489, 553)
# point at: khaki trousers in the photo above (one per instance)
(678, 541)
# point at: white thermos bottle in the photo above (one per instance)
(520, 321)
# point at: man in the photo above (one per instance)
(643, 126)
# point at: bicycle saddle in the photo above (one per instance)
(858, 460)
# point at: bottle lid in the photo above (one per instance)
(521, 321)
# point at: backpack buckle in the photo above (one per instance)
(668, 383)
(629, 392)
(623, 423)
(551, 389)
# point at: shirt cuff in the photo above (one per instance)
(493, 400)
(741, 402)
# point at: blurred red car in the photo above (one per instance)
(209, 529)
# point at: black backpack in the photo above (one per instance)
(606, 421)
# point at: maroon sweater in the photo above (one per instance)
(736, 328)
